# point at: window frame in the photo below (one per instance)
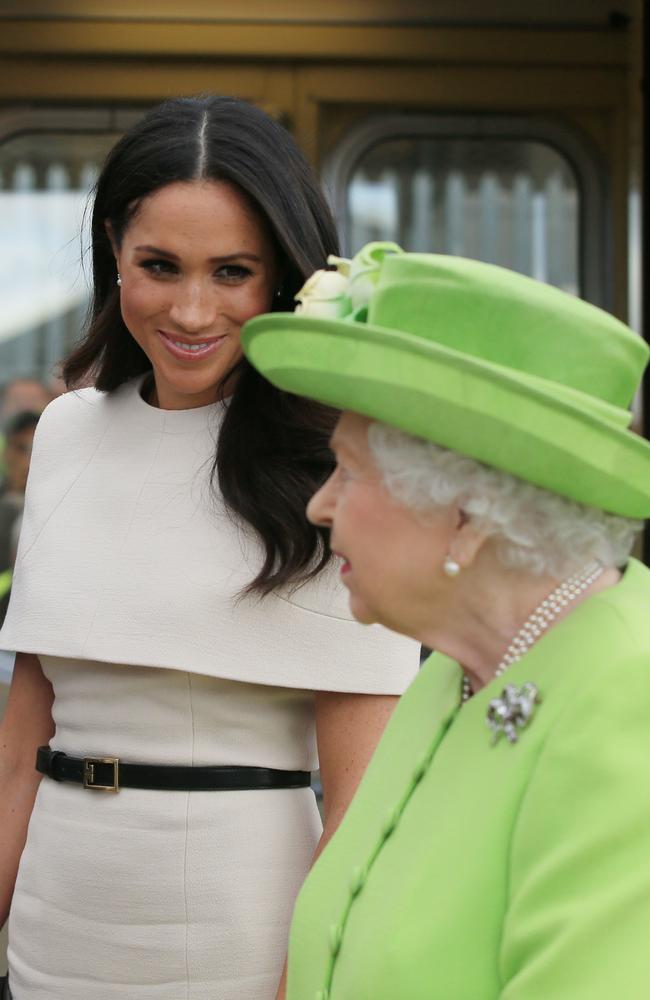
(18, 121)
(595, 271)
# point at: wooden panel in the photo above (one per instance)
(583, 12)
(449, 89)
(306, 42)
(108, 80)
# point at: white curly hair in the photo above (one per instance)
(534, 530)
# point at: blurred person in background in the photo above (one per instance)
(16, 457)
(21, 402)
(25, 395)
(13, 535)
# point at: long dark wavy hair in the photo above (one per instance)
(272, 452)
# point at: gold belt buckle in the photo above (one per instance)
(89, 773)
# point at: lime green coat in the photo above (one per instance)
(470, 871)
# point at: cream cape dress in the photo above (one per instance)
(126, 587)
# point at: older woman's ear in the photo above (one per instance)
(467, 538)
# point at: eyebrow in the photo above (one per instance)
(338, 447)
(213, 260)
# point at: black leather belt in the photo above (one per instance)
(109, 774)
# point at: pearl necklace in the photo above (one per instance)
(540, 619)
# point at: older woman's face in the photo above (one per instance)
(392, 556)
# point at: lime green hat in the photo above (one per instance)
(473, 357)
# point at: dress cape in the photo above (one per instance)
(127, 557)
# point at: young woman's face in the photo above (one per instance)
(196, 261)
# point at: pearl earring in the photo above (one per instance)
(119, 280)
(451, 567)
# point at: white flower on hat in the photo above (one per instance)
(324, 294)
(336, 294)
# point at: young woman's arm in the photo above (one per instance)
(348, 728)
(26, 725)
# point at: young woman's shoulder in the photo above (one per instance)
(71, 429)
(76, 407)
(77, 417)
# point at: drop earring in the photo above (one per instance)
(450, 567)
(119, 280)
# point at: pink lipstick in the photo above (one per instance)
(190, 350)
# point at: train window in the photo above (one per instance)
(46, 173)
(468, 188)
(509, 203)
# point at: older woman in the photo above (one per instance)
(485, 501)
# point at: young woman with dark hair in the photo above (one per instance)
(235, 144)
(184, 642)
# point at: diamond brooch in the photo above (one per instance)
(512, 711)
